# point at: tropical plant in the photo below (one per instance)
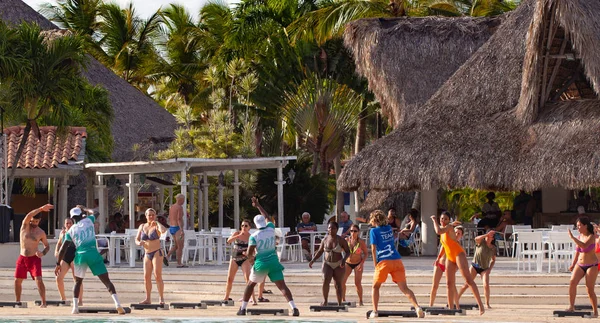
(322, 112)
(467, 201)
(79, 16)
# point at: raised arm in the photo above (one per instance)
(257, 205)
(578, 242)
(437, 228)
(479, 239)
(233, 237)
(34, 212)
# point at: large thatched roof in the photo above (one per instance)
(475, 131)
(407, 59)
(137, 118)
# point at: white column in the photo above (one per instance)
(205, 203)
(63, 207)
(102, 203)
(56, 222)
(199, 208)
(356, 205)
(131, 197)
(221, 188)
(170, 197)
(192, 207)
(428, 235)
(161, 199)
(184, 185)
(280, 183)
(236, 199)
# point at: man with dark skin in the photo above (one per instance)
(176, 229)
(333, 262)
(30, 258)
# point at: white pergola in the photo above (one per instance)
(200, 167)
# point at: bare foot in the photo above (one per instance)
(481, 311)
(595, 315)
(323, 303)
(489, 307)
(144, 302)
(361, 304)
(161, 302)
(43, 305)
(570, 309)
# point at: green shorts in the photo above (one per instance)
(89, 259)
(275, 274)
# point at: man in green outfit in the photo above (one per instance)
(83, 236)
(266, 263)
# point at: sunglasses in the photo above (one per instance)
(245, 225)
(353, 230)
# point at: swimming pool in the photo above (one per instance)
(155, 320)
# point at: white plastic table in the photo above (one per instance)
(114, 252)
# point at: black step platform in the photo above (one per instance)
(150, 306)
(188, 305)
(576, 313)
(445, 311)
(469, 306)
(394, 313)
(54, 303)
(349, 304)
(267, 311)
(14, 304)
(331, 308)
(219, 303)
(425, 308)
(583, 307)
(110, 310)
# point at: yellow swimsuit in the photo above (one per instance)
(451, 247)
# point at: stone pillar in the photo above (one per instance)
(192, 199)
(236, 199)
(428, 235)
(132, 198)
(170, 197)
(184, 185)
(280, 183)
(205, 186)
(221, 187)
(161, 199)
(200, 206)
(63, 207)
(102, 203)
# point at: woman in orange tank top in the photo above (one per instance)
(455, 259)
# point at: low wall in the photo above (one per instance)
(9, 252)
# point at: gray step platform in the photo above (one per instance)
(54, 303)
(150, 306)
(188, 305)
(349, 304)
(14, 304)
(267, 311)
(110, 310)
(218, 303)
(576, 313)
(445, 311)
(394, 313)
(331, 308)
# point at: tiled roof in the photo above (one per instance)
(49, 152)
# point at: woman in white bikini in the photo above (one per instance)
(333, 261)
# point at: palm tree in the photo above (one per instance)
(80, 16)
(128, 43)
(49, 83)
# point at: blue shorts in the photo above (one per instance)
(173, 229)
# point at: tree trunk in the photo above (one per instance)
(361, 129)
(339, 195)
(11, 178)
(231, 116)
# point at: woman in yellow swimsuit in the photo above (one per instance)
(333, 261)
(455, 259)
(355, 261)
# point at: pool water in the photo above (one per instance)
(156, 320)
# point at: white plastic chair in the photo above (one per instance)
(531, 246)
(189, 244)
(414, 241)
(516, 229)
(321, 227)
(201, 248)
(561, 250)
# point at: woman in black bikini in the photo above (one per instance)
(585, 264)
(66, 263)
(355, 261)
(333, 261)
(238, 258)
(148, 236)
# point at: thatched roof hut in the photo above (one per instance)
(521, 113)
(137, 118)
(407, 59)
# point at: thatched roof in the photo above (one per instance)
(469, 133)
(137, 118)
(407, 59)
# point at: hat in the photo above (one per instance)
(260, 221)
(75, 212)
(581, 209)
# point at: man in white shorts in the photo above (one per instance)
(266, 263)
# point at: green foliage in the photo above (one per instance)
(306, 194)
(467, 201)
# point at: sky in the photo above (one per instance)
(145, 8)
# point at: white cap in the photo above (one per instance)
(260, 221)
(580, 209)
(75, 212)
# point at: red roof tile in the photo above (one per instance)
(49, 151)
